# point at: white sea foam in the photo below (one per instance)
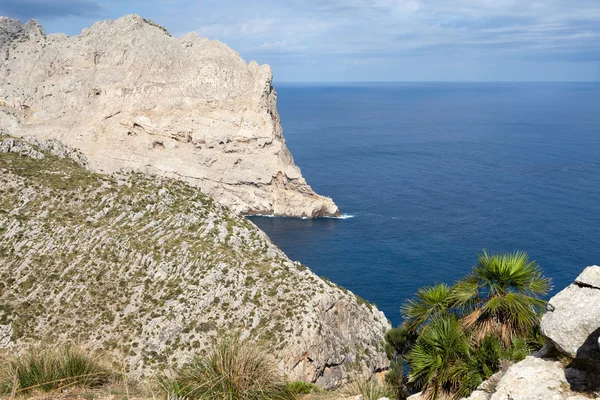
(343, 216)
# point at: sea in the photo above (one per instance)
(427, 175)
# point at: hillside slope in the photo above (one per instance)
(128, 95)
(154, 269)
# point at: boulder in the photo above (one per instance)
(538, 379)
(572, 321)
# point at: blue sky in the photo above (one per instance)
(370, 40)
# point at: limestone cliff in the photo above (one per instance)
(153, 269)
(129, 95)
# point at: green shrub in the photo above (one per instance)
(233, 370)
(51, 369)
(299, 387)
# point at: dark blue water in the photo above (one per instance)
(434, 173)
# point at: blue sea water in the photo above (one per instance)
(433, 173)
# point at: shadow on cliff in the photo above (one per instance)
(583, 372)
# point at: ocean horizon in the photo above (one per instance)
(432, 173)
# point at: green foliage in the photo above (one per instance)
(233, 370)
(437, 354)
(397, 342)
(454, 338)
(502, 296)
(46, 370)
(429, 302)
(300, 387)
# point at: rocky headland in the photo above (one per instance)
(152, 270)
(129, 96)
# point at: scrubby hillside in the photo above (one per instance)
(154, 270)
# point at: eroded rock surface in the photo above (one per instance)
(128, 95)
(152, 269)
(534, 379)
(572, 321)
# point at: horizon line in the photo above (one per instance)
(424, 81)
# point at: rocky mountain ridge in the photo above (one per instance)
(152, 270)
(130, 96)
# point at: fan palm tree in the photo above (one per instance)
(501, 296)
(437, 358)
(429, 302)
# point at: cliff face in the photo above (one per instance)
(153, 269)
(128, 95)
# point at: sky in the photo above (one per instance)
(369, 40)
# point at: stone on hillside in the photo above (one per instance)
(534, 379)
(5, 334)
(572, 321)
(538, 379)
(128, 95)
(479, 395)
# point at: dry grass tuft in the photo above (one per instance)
(233, 370)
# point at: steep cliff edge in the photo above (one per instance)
(153, 269)
(128, 95)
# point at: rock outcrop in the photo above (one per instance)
(572, 322)
(151, 269)
(535, 379)
(568, 368)
(128, 95)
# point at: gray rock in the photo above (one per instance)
(535, 379)
(572, 321)
(590, 277)
(479, 395)
(130, 96)
(5, 336)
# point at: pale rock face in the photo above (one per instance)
(572, 322)
(534, 379)
(538, 379)
(128, 95)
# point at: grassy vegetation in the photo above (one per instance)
(50, 369)
(370, 389)
(300, 387)
(233, 370)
